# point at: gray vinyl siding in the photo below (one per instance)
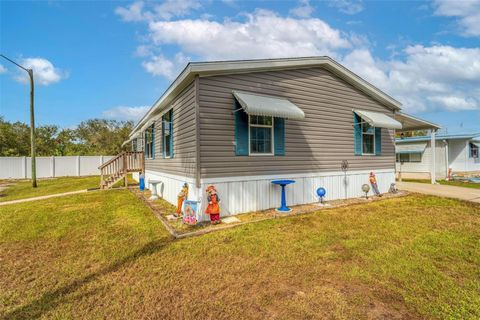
(184, 144)
(318, 143)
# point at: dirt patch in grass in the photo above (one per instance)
(107, 256)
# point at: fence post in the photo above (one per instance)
(52, 166)
(78, 166)
(24, 167)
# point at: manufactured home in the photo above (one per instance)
(456, 152)
(241, 124)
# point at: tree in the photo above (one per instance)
(101, 136)
(14, 139)
(45, 137)
(91, 137)
(408, 134)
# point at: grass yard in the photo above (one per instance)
(22, 189)
(448, 183)
(104, 255)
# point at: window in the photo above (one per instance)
(134, 145)
(167, 132)
(261, 134)
(474, 153)
(149, 142)
(409, 157)
(368, 138)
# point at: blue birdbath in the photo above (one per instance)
(283, 183)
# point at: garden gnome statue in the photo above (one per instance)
(373, 182)
(213, 208)
(181, 197)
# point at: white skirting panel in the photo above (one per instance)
(254, 193)
(258, 193)
(171, 185)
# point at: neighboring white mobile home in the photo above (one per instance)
(458, 152)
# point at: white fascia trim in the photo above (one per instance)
(171, 176)
(242, 66)
(423, 122)
(293, 175)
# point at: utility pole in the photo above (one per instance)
(32, 121)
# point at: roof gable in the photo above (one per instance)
(194, 69)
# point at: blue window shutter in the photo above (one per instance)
(279, 136)
(378, 141)
(357, 134)
(241, 131)
(171, 133)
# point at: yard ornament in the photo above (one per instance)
(366, 188)
(373, 182)
(181, 197)
(321, 192)
(213, 208)
(190, 212)
(393, 188)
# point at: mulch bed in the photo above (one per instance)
(161, 209)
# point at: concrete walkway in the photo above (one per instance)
(468, 194)
(42, 197)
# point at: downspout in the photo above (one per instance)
(432, 159)
(395, 154)
(446, 159)
(197, 136)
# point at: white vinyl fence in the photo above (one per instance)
(49, 167)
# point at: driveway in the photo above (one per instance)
(467, 194)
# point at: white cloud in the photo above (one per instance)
(143, 51)
(133, 12)
(168, 9)
(455, 103)
(347, 6)
(2, 69)
(466, 11)
(44, 72)
(125, 113)
(263, 34)
(425, 78)
(304, 10)
(174, 8)
(161, 66)
(421, 77)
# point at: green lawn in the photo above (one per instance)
(448, 183)
(21, 189)
(104, 255)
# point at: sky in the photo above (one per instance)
(114, 59)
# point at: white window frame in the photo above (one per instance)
(135, 145)
(170, 133)
(370, 134)
(471, 147)
(152, 129)
(398, 157)
(261, 126)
